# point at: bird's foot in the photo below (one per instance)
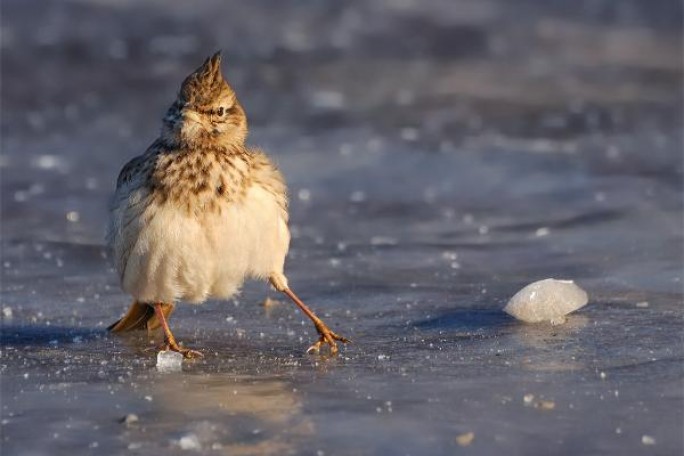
(186, 352)
(326, 337)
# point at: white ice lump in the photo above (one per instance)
(546, 300)
(169, 361)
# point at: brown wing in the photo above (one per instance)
(136, 165)
(129, 170)
(268, 176)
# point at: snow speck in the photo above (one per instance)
(304, 194)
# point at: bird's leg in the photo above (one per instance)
(325, 333)
(169, 340)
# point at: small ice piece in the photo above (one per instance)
(465, 439)
(546, 300)
(647, 440)
(190, 442)
(47, 161)
(304, 194)
(129, 419)
(7, 312)
(543, 231)
(449, 255)
(545, 405)
(169, 361)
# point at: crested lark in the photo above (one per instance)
(199, 212)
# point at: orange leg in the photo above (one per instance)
(170, 341)
(326, 335)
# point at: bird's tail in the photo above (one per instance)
(140, 316)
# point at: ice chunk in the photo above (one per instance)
(546, 300)
(465, 439)
(543, 231)
(304, 194)
(545, 405)
(647, 440)
(130, 419)
(190, 442)
(169, 361)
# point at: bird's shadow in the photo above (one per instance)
(466, 320)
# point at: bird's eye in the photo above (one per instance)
(220, 111)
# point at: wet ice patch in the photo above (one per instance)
(169, 361)
(547, 300)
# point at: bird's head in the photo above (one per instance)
(206, 109)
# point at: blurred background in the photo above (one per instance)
(85, 84)
(440, 155)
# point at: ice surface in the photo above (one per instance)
(474, 147)
(169, 361)
(547, 300)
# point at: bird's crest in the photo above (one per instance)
(206, 83)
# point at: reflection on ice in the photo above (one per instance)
(224, 413)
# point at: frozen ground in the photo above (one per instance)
(441, 155)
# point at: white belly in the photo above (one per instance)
(165, 254)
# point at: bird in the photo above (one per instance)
(200, 212)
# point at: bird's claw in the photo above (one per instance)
(190, 354)
(327, 337)
(186, 352)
